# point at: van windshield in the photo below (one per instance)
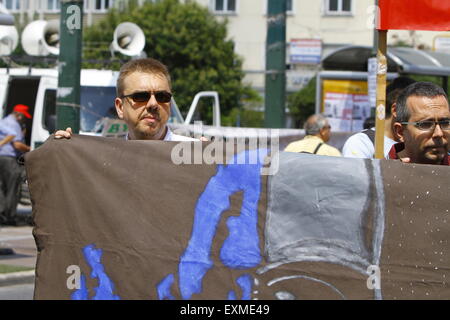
(98, 103)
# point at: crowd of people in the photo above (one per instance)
(417, 126)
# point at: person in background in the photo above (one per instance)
(318, 132)
(12, 145)
(362, 144)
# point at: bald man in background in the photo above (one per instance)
(318, 132)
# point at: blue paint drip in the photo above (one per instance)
(82, 293)
(105, 289)
(232, 295)
(245, 282)
(163, 288)
(241, 249)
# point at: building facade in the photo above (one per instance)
(326, 24)
(30, 10)
(332, 23)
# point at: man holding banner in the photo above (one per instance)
(143, 101)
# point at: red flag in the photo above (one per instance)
(415, 15)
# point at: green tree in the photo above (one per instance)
(189, 40)
(302, 103)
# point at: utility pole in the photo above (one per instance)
(275, 96)
(380, 37)
(68, 96)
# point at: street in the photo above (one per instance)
(17, 292)
(21, 240)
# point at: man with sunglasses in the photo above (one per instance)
(422, 125)
(143, 101)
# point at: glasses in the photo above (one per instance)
(428, 125)
(144, 96)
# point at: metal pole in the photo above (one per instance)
(275, 93)
(381, 94)
(375, 47)
(375, 31)
(68, 97)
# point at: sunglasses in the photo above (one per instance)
(429, 125)
(144, 96)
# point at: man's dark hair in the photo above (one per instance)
(369, 123)
(394, 89)
(418, 89)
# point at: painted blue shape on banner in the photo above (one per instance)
(241, 248)
(105, 288)
(231, 295)
(245, 282)
(82, 293)
(163, 288)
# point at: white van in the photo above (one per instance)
(37, 89)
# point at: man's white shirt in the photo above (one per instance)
(359, 145)
(170, 136)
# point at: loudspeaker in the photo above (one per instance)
(41, 38)
(9, 39)
(129, 39)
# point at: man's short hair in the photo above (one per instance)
(314, 124)
(418, 89)
(147, 65)
(394, 89)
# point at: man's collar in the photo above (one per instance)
(446, 161)
(396, 149)
(310, 136)
(168, 136)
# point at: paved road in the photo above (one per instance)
(22, 242)
(18, 292)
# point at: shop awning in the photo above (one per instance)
(400, 60)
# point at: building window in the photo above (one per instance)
(53, 6)
(12, 5)
(103, 5)
(225, 6)
(289, 7)
(338, 7)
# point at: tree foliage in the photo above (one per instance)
(302, 103)
(188, 39)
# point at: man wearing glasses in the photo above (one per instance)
(422, 125)
(143, 101)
